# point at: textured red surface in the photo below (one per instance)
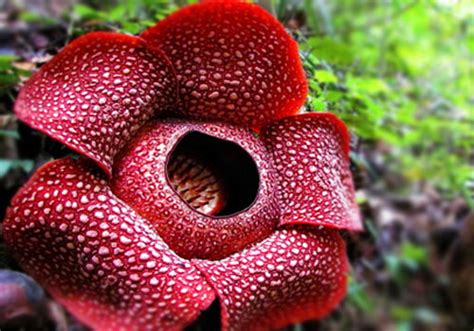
(311, 154)
(296, 274)
(197, 182)
(234, 61)
(136, 255)
(97, 92)
(140, 180)
(97, 257)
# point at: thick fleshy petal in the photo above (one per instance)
(311, 153)
(294, 275)
(234, 61)
(140, 179)
(96, 256)
(96, 93)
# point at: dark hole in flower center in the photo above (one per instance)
(213, 176)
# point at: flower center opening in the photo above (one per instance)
(213, 176)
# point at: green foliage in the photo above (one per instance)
(34, 17)
(7, 164)
(404, 316)
(9, 74)
(9, 134)
(400, 72)
(409, 258)
(357, 295)
(132, 16)
(413, 255)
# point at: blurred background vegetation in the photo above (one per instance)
(399, 72)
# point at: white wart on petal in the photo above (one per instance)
(96, 256)
(142, 179)
(296, 274)
(234, 62)
(311, 155)
(97, 92)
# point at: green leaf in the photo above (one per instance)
(333, 96)
(9, 134)
(8, 80)
(367, 85)
(413, 254)
(318, 104)
(6, 165)
(358, 296)
(131, 27)
(402, 313)
(331, 51)
(6, 62)
(119, 14)
(85, 12)
(324, 76)
(33, 17)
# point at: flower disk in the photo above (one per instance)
(234, 61)
(142, 180)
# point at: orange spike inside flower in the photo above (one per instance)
(197, 183)
(193, 207)
(227, 167)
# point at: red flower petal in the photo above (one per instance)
(311, 153)
(97, 256)
(292, 276)
(141, 180)
(234, 61)
(97, 92)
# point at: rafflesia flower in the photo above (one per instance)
(198, 181)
